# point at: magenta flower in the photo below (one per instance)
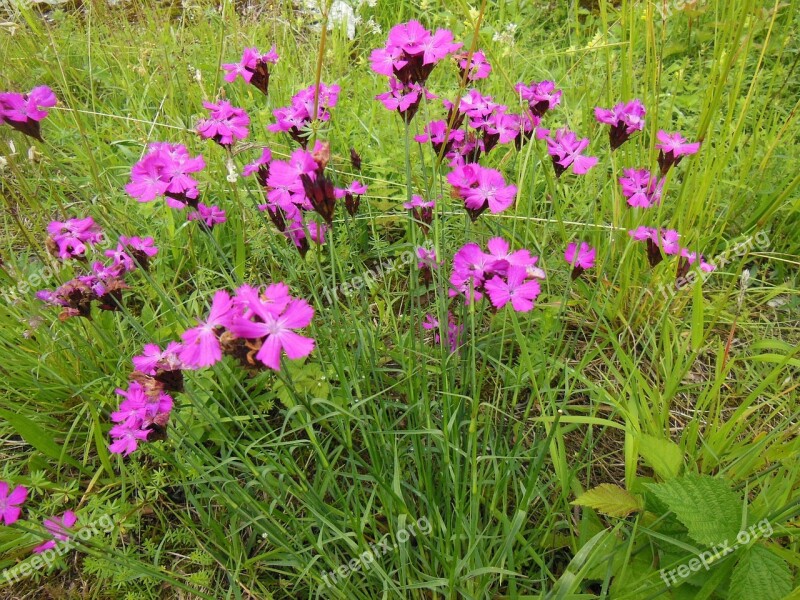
(201, 344)
(316, 232)
(209, 215)
(426, 258)
(540, 96)
(273, 324)
(11, 503)
(404, 98)
(352, 196)
(164, 171)
(641, 188)
(436, 132)
(144, 411)
(479, 67)
(58, 528)
(132, 252)
(672, 148)
(411, 52)
(225, 123)
(515, 288)
(297, 118)
(154, 360)
(421, 210)
(566, 150)
(260, 167)
(482, 188)
(624, 119)
(580, 258)
(253, 68)
(24, 112)
(69, 239)
(454, 330)
(658, 242)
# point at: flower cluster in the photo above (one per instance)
(296, 118)
(410, 54)
(24, 112)
(11, 503)
(662, 242)
(105, 283)
(580, 257)
(566, 150)
(481, 188)
(624, 119)
(454, 330)
(164, 171)
(57, 527)
(475, 67)
(69, 239)
(642, 189)
(505, 276)
(253, 68)
(672, 148)
(541, 96)
(224, 124)
(421, 210)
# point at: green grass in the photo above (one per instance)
(268, 482)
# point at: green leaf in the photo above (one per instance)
(663, 455)
(706, 505)
(38, 438)
(610, 500)
(760, 574)
(697, 316)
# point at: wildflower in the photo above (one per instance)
(624, 119)
(352, 196)
(273, 323)
(320, 193)
(454, 330)
(411, 52)
(355, 159)
(164, 171)
(437, 133)
(672, 148)
(540, 96)
(580, 258)
(69, 239)
(426, 258)
(405, 99)
(296, 118)
(479, 67)
(58, 528)
(201, 344)
(421, 210)
(253, 68)
(24, 112)
(132, 251)
(641, 188)
(316, 232)
(160, 369)
(225, 123)
(208, 215)
(76, 295)
(657, 241)
(516, 287)
(482, 188)
(565, 150)
(11, 503)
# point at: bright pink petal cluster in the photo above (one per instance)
(69, 239)
(625, 119)
(454, 330)
(164, 171)
(24, 112)
(58, 528)
(477, 67)
(662, 242)
(11, 502)
(567, 150)
(580, 257)
(143, 412)
(209, 215)
(642, 189)
(224, 124)
(541, 96)
(507, 277)
(672, 148)
(482, 188)
(296, 118)
(253, 68)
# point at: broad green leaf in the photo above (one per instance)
(663, 455)
(38, 438)
(610, 500)
(759, 575)
(706, 505)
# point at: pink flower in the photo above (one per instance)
(426, 258)
(201, 344)
(672, 148)
(421, 210)
(23, 112)
(164, 171)
(69, 239)
(153, 359)
(411, 52)
(274, 325)
(253, 68)
(296, 118)
(454, 330)
(482, 188)
(132, 252)
(352, 196)
(316, 232)
(565, 150)
(541, 96)
(516, 288)
(210, 215)
(436, 132)
(479, 67)
(225, 123)
(11, 503)
(58, 528)
(641, 188)
(260, 166)
(582, 256)
(404, 98)
(624, 118)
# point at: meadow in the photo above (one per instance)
(389, 299)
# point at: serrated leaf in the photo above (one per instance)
(610, 500)
(705, 505)
(760, 574)
(664, 456)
